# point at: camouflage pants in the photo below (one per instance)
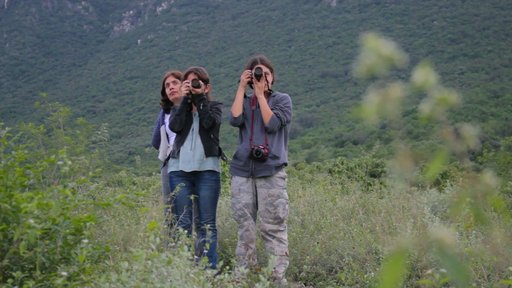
(267, 198)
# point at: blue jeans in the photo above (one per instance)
(204, 186)
(168, 203)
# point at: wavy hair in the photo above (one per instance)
(165, 103)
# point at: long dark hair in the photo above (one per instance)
(201, 74)
(260, 59)
(165, 103)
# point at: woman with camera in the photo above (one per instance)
(194, 164)
(259, 180)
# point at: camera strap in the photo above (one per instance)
(254, 101)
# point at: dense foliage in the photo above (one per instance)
(47, 172)
(105, 60)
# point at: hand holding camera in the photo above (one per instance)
(195, 83)
(197, 93)
(196, 87)
(256, 74)
(245, 78)
(192, 87)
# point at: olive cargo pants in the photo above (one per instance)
(266, 198)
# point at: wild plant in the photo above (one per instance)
(475, 205)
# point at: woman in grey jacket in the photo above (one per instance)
(259, 180)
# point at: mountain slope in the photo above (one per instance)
(106, 59)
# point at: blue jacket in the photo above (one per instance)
(160, 120)
(277, 132)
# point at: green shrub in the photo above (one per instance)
(47, 171)
(44, 234)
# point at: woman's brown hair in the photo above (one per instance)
(165, 103)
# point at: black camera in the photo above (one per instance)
(258, 73)
(195, 83)
(259, 153)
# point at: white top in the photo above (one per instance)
(166, 139)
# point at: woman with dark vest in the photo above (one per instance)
(194, 164)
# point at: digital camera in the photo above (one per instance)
(257, 74)
(195, 83)
(259, 153)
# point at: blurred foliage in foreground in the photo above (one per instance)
(475, 204)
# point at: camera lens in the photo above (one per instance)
(257, 153)
(195, 83)
(258, 73)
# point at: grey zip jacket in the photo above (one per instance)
(277, 132)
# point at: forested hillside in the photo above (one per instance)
(105, 60)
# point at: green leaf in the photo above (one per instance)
(436, 165)
(456, 269)
(153, 225)
(394, 269)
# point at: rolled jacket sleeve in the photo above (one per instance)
(281, 107)
(237, 121)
